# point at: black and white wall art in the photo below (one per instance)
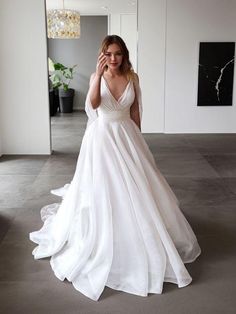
(216, 73)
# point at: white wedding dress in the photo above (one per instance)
(119, 223)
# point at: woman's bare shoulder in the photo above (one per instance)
(92, 77)
(136, 78)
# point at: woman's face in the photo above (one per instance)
(114, 56)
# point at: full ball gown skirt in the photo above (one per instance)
(119, 223)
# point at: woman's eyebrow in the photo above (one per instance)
(113, 52)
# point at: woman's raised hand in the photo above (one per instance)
(101, 64)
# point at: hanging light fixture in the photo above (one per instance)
(63, 24)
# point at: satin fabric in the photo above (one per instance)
(119, 223)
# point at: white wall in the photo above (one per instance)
(24, 109)
(169, 70)
(125, 25)
(151, 62)
(188, 23)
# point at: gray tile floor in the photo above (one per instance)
(201, 169)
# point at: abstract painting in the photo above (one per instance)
(216, 73)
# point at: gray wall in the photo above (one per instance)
(82, 51)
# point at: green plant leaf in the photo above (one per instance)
(65, 87)
(62, 75)
(59, 66)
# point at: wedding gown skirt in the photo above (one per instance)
(119, 223)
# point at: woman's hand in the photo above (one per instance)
(101, 64)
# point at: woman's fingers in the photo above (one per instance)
(101, 56)
(101, 63)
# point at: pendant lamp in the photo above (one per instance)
(63, 24)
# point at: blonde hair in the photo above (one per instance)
(126, 66)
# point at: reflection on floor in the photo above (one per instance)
(201, 169)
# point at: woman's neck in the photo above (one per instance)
(113, 73)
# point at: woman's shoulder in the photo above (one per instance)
(135, 79)
(92, 77)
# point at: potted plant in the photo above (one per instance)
(52, 99)
(53, 91)
(61, 78)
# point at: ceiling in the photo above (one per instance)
(95, 7)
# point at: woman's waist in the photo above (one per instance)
(113, 115)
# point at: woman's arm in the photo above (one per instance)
(95, 82)
(94, 90)
(134, 109)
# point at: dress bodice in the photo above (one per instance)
(111, 108)
(110, 105)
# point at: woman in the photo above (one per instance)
(119, 223)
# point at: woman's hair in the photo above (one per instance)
(126, 66)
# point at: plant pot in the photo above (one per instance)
(56, 100)
(53, 101)
(66, 100)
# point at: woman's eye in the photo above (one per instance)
(108, 54)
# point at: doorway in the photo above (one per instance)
(96, 22)
(83, 53)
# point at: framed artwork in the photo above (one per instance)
(216, 73)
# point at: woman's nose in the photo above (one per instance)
(112, 57)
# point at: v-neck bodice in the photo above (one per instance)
(110, 108)
(109, 90)
(108, 101)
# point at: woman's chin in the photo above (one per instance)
(114, 66)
